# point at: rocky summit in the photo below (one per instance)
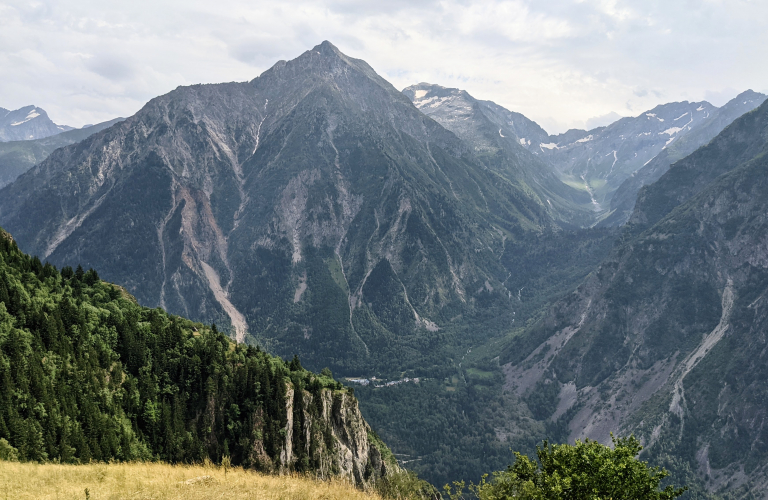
(494, 135)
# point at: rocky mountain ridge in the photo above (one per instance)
(623, 200)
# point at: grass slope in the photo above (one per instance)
(160, 481)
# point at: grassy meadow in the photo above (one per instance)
(158, 481)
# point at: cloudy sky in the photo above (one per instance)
(563, 63)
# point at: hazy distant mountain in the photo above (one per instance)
(666, 339)
(29, 122)
(314, 209)
(623, 201)
(16, 157)
(492, 132)
(621, 157)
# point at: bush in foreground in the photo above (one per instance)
(586, 470)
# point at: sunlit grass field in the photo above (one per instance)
(161, 481)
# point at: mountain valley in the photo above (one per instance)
(481, 284)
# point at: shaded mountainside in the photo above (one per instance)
(666, 339)
(493, 133)
(623, 200)
(27, 123)
(16, 157)
(314, 209)
(88, 374)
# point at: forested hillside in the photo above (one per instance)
(88, 374)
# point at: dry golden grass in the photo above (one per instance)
(144, 481)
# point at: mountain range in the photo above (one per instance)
(608, 164)
(463, 267)
(665, 339)
(314, 210)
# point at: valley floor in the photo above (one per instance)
(159, 481)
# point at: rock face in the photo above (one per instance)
(497, 137)
(666, 339)
(337, 438)
(16, 157)
(313, 209)
(29, 122)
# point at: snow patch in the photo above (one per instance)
(681, 116)
(649, 161)
(501, 133)
(432, 101)
(700, 108)
(585, 139)
(615, 159)
(672, 130)
(653, 115)
(525, 142)
(549, 145)
(32, 114)
(418, 94)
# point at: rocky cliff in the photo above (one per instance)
(331, 431)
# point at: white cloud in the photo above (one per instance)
(559, 62)
(602, 120)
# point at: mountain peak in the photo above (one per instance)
(748, 95)
(328, 48)
(28, 122)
